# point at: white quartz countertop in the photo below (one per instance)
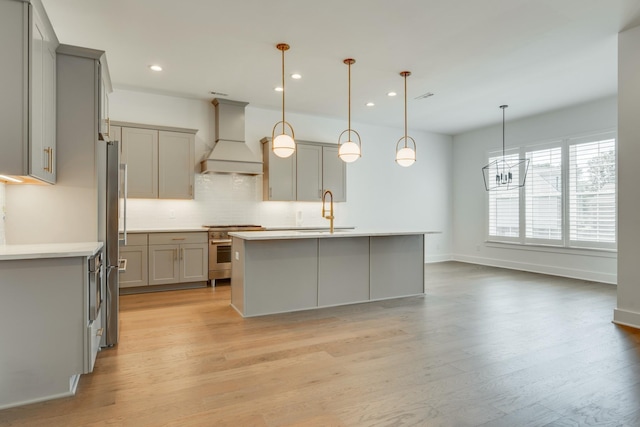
(310, 227)
(313, 234)
(166, 230)
(49, 250)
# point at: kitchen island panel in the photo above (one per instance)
(343, 271)
(283, 274)
(397, 266)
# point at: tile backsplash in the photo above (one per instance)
(226, 199)
(2, 213)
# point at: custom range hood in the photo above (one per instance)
(230, 154)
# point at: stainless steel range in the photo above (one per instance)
(220, 249)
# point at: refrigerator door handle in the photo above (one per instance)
(125, 190)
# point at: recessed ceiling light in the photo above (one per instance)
(296, 76)
(370, 104)
(278, 89)
(391, 94)
(155, 67)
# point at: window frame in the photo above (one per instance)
(565, 242)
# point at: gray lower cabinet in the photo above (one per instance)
(136, 255)
(340, 261)
(164, 264)
(178, 258)
(291, 267)
(165, 259)
(48, 340)
(394, 271)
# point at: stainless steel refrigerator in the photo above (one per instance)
(111, 184)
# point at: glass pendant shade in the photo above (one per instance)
(283, 145)
(349, 152)
(405, 156)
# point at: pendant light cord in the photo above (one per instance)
(283, 91)
(349, 109)
(405, 110)
(503, 108)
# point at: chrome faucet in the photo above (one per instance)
(330, 217)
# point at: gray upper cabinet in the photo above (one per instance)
(309, 177)
(279, 179)
(160, 160)
(81, 94)
(304, 176)
(334, 174)
(28, 86)
(176, 165)
(140, 154)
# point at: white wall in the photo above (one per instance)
(469, 196)
(628, 308)
(380, 193)
(2, 213)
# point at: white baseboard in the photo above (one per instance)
(38, 399)
(626, 318)
(594, 276)
(430, 259)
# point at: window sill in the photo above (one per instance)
(594, 252)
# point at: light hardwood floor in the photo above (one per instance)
(483, 347)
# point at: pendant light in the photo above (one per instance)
(349, 150)
(283, 145)
(505, 173)
(405, 155)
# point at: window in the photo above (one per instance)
(569, 198)
(592, 192)
(544, 195)
(504, 207)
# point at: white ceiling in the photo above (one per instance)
(474, 55)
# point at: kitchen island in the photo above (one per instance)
(283, 271)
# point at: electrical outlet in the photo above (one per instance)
(172, 214)
(237, 256)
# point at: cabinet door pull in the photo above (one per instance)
(270, 192)
(47, 167)
(178, 238)
(108, 126)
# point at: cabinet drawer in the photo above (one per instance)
(177, 238)
(135, 239)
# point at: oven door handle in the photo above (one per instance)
(217, 242)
